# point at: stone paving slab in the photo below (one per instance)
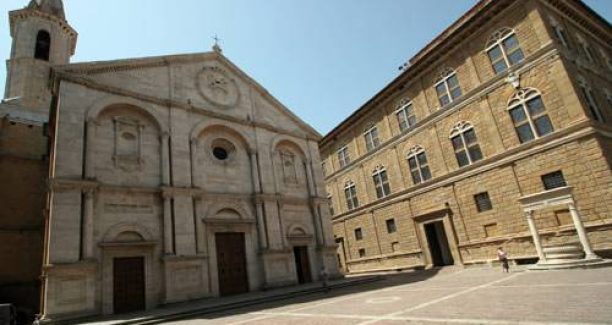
(471, 296)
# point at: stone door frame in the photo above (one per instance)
(443, 215)
(246, 226)
(112, 250)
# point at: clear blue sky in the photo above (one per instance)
(321, 58)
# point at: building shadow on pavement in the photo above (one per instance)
(383, 281)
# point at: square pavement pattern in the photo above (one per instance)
(469, 296)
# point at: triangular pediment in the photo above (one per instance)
(206, 81)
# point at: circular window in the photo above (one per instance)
(220, 153)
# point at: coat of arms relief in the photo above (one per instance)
(216, 86)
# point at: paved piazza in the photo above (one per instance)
(470, 296)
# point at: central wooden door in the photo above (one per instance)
(302, 264)
(128, 284)
(231, 263)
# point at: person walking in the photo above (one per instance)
(324, 278)
(503, 259)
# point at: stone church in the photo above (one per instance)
(170, 178)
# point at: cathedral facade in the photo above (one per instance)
(171, 178)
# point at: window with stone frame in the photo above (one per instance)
(483, 202)
(391, 227)
(358, 234)
(288, 162)
(405, 114)
(447, 87)
(418, 164)
(585, 49)
(559, 33)
(362, 252)
(529, 115)
(128, 143)
(608, 99)
(324, 168)
(350, 194)
(589, 97)
(381, 182)
(344, 157)
(330, 204)
(553, 180)
(465, 144)
(504, 50)
(371, 138)
(606, 58)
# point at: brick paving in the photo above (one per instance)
(470, 296)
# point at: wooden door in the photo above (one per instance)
(302, 264)
(128, 284)
(231, 263)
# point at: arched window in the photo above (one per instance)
(606, 58)
(560, 34)
(529, 115)
(504, 50)
(381, 182)
(447, 87)
(590, 99)
(465, 144)
(330, 203)
(43, 45)
(419, 166)
(371, 138)
(350, 194)
(585, 48)
(405, 114)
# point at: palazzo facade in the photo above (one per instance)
(502, 116)
(171, 178)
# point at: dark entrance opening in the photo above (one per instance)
(231, 263)
(302, 265)
(128, 284)
(438, 244)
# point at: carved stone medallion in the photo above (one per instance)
(217, 87)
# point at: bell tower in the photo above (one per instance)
(42, 38)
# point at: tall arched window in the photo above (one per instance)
(585, 48)
(590, 99)
(560, 34)
(43, 45)
(350, 194)
(405, 114)
(381, 182)
(465, 144)
(447, 87)
(529, 115)
(504, 50)
(419, 167)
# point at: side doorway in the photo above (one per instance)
(437, 242)
(302, 264)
